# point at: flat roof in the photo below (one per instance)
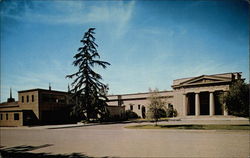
(39, 89)
(139, 93)
(9, 103)
(208, 75)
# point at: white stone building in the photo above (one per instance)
(193, 96)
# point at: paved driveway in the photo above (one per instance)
(115, 141)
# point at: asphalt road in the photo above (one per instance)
(115, 141)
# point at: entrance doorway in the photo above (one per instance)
(204, 103)
(191, 104)
(218, 103)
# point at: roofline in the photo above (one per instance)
(39, 89)
(9, 106)
(192, 84)
(204, 76)
(7, 103)
(138, 93)
(208, 75)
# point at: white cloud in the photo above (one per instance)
(117, 14)
(76, 12)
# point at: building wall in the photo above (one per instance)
(7, 112)
(52, 101)
(30, 104)
(178, 101)
(11, 121)
(138, 100)
(53, 106)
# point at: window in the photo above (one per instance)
(32, 98)
(27, 98)
(53, 98)
(131, 107)
(1, 116)
(139, 107)
(16, 116)
(22, 99)
(7, 116)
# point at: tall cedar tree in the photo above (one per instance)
(88, 91)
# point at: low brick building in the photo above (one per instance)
(36, 106)
(11, 114)
(41, 106)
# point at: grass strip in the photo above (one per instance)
(192, 126)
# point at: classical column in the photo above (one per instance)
(224, 106)
(225, 111)
(211, 103)
(184, 102)
(197, 104)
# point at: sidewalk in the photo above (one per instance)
(220, 118)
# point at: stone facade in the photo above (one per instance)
(192, 96)
(138, 102)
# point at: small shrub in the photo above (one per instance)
(161, 114)
(171, 112)
(130, 114)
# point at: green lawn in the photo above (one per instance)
(199, 127)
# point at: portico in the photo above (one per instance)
(203, 103)
(202, 95)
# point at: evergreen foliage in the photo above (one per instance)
(88, 92)
(237, 99)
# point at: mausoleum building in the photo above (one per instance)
(193, 96)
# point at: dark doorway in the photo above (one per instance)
(55, 117)
(191, 104)
(204, 103)
(29, 118)
(218, 102)
(143, 112)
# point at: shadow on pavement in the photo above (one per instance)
(91, 124)
(23, 152)
(109, 123)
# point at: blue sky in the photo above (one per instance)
(148, 43)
